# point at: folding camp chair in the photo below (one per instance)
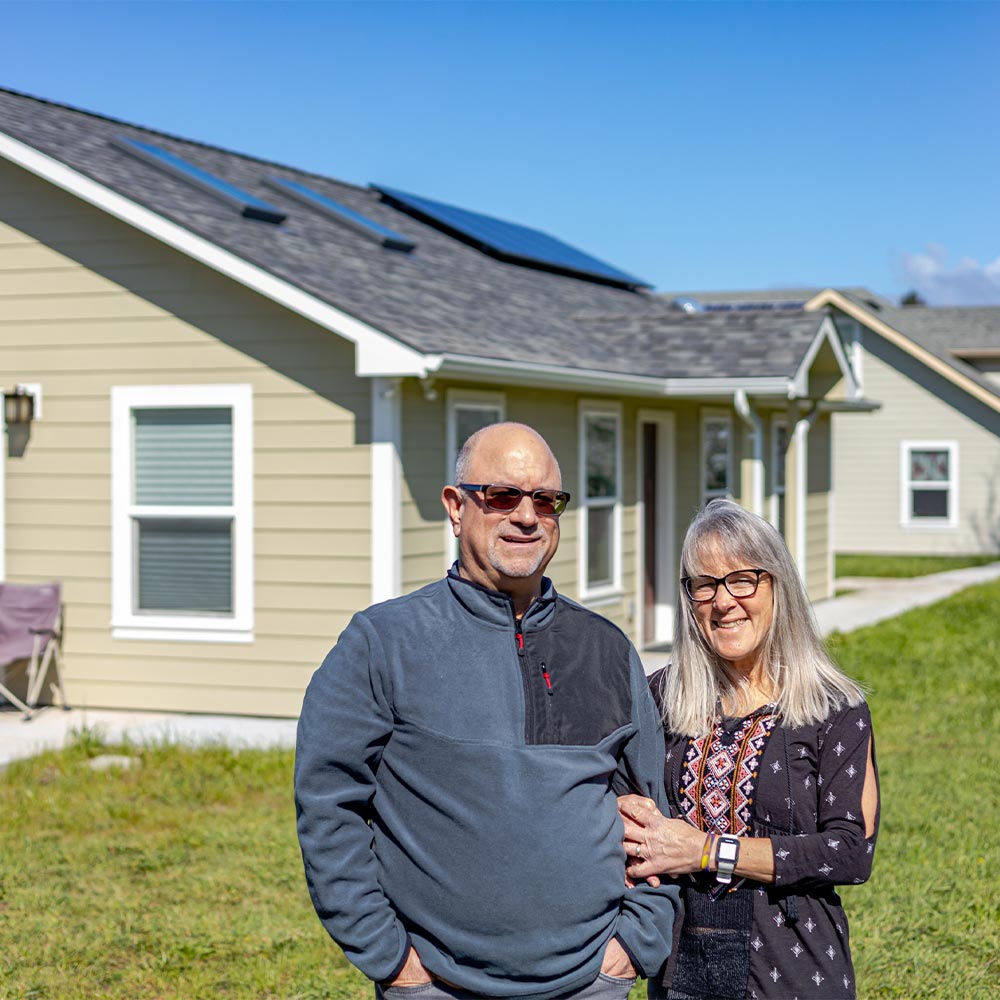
(31, 630)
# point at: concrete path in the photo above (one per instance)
(873, 601)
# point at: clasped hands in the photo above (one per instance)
(656, 844)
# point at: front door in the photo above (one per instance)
(657, 572)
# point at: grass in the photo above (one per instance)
(181, 878)
(848, 564)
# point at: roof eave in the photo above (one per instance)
(377, 354)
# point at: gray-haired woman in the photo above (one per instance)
(770, 770)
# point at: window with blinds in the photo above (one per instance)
(600, 501)
(183, 513)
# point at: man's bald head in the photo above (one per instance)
(509, 434)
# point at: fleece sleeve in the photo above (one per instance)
(645, 927)
(346, 722)
(838, 852)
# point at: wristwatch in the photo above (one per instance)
(726, 857)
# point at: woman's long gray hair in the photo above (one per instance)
(809, 686)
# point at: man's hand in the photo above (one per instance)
(616, 962)
(413, 972)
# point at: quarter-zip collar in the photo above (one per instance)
(497, 608)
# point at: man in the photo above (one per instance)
(459, 754)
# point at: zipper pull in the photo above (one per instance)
(548, 680)
(519, 635)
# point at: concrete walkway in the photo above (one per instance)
(873, 601)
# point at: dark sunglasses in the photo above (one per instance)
(547, 503)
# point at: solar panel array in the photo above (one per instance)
(507, 240)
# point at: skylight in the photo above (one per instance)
(345, 216)
(248, 205)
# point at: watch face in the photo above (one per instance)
(728, 851)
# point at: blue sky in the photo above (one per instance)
(697, 145)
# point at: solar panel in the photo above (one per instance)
(248, 205)
(341, 213)
(507, 240)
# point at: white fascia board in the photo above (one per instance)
(831, 297)
(827, 332)
(377, 352)
(532, 373)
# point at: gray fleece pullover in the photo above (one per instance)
(456, 778)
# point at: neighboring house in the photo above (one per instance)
(250, 384)
(922, 474)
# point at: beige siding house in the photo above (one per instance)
(242, 423)
(922, 474)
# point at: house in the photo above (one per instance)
(250, 383)
(921, 475)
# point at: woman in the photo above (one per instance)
(770, 771)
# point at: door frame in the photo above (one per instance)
(666, 571)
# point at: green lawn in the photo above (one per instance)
(865, 565)
(181, 877)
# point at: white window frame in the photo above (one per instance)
(606, 593)
(126, 623)
(778, 491)
(456, 400)
(906, 520)
(720, 417)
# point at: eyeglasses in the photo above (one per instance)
(739, 583)
(547, 503)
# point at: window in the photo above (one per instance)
(600, 501)
(716, 456)
(468, 412)
(779, 450)
(181, 495)
(929, 480)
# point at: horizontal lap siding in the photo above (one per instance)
(916, 405)
(86, 303)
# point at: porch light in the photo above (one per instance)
(18, 407)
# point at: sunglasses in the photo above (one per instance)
(504, 499)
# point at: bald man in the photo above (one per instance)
(459, 755)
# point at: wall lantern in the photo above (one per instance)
(18, 407)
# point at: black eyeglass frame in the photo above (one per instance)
(557, 497)
(716, 580)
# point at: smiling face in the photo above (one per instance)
(507, 552)
(734, 627)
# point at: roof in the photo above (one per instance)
(444, 298)
(773, 297)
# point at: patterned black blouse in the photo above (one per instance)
(802, 788)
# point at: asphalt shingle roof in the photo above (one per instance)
(444, 297)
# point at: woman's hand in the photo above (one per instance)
(655, 844)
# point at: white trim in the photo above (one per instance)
(613, 590)
(126, 623)
(776, 490)
(800, 437)
(665, 572)
(473, 367)
(3, 489)
(707, 416)
(377, 353)
(752, 419)
(827, 332)
(906, 520)
(455, 400)
(386, 490)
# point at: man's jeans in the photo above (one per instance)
(602, 988)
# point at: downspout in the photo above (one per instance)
(753, 421)
(801, 436)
